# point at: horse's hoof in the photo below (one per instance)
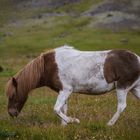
(64, 124)
(109, 123)
(76, 120)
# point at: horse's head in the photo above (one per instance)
(24, 81)
(16, 99)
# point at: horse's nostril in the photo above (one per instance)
(16, 113)
(13, 112)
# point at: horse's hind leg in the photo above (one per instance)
(136, 92)
(64, 110)
(121, 96)
(61, 100)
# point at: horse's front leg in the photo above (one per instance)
(61, 101)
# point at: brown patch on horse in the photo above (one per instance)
(121, 66)
(42, 71)
(50, 76)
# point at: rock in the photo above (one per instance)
(124, 40)
(109, 15)
(39, 16)
(8, 34)
(1, 69)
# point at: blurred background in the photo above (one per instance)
(29, 27)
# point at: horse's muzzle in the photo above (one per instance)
(13, 112)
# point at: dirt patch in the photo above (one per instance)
(127, 6)
(125, 23)
(116, 20)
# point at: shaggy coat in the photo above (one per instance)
(68, 70)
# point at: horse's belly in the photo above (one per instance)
(98, 87)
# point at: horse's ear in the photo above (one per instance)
(14, 81)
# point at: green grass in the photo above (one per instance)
(58, 31)
(37, 119)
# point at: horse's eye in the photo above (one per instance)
(12, 97)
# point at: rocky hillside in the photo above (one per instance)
(103, 13)
(120, 13)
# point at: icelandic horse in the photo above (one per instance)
(67, 70)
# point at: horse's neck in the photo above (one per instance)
(29, 77)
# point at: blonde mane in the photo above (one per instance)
(28, 78)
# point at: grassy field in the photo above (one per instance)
(23, 40)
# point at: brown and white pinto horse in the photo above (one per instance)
(68, 70)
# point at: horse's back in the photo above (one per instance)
(68, 54)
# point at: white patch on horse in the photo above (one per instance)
(79, 72)
(82, 71)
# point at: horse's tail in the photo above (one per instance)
(138, 59)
